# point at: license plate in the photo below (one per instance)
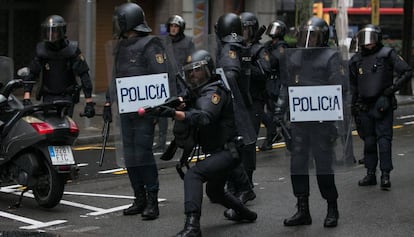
(61, 155)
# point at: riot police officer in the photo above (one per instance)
(137, 53)
(234, 58)
(260, 65)
(178, 47)
(59, 60)
(210, 114)
(181, 45)
(311, 140)
(373, 101)
(276, 46)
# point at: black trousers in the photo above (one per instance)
(313, 141)
(144, 176)
(376, 132)
(326, 184)
(214, 172)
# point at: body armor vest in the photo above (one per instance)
(58, 75)
(245, 75)
(129, 57)
(374, 73)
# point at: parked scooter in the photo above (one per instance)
(36, 143)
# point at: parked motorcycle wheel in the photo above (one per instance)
(50, 186)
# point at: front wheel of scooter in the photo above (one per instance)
(50, 186)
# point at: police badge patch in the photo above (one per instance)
(232, 54)
(215, 98)
(159, 58)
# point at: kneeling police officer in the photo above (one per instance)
(210, 114)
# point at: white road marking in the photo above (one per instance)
(111, 171)
(99, 195)
(106, 211)
(34, 224)
(406, 116)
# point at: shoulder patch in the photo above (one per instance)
(159, 58)
(232, 54)
(215, 98)
(81, 57)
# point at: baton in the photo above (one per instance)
(105, 135)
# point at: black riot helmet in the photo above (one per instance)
(250, 25)
(369, 34)
(177, 20)
(314, 33)
(53, 29)
(229, 28)
(276, 29)
(199, 69)
(129, 16)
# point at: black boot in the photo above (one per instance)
(385, 180)
(242, 215)
(139, 204)
(237, 211)
(246, 196)
(267, 144)
(331, 219)
(191, 227)
(302, 216)
(151, 211)
(369, 179)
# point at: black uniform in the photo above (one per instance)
(237, 70)
(137, 56)
(212, 116)
(314, 139)
(261, 69)
(371, 74)
(272, 87)
(59, 68)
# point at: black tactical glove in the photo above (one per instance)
(390, 90)
(107, 113)
(27, 102)
(164, 111)
(89, 110)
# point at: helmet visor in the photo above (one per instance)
(196, 73)
(274, 31)
(53, 33)
(310, 37)
(366, 37)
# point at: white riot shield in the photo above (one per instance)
(317, 82)
(128, 94)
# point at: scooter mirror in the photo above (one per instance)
(23, 72)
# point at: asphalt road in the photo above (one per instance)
(92, 204)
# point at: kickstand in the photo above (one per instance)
(18, 203)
